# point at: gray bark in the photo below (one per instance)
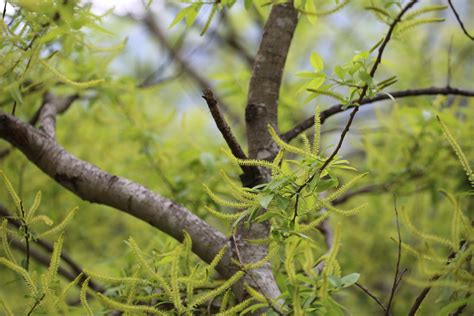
(95, 185)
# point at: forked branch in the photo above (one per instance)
(92, 184)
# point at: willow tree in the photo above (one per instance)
(301, 223)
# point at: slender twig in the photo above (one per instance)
(367, 189)
(173, 190)
(361, 98)
(459, 310)
(36, 302)
(421, 297)
(399, 256)
(364, 91)
(339, 108)
(222, 124)
(4, 9)
(400, 278)
(372, 296)
(460, 21)
(24, 227)
(14, 108)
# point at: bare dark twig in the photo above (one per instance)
(458, 18)
(364, 91)
(226, 131)
(232, 40)
(222, 124)
(421, 297)
(372, 296)
(4, 9)
(37, 301)
(399, 256)
(338, 108)
(14, 108)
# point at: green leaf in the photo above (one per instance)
(340, 72)
(311, 9)
(366, 77)
(325, 185)
(266, 216)
(265, 200)
(316, 61)
(247, 4)
(15, 93)
(282, 202)
(350, 279)
(189, 14)
(335, 281)
(361, 56)
(310, 74)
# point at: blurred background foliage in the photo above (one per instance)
(162, 135)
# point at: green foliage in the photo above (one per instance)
(296, 200)
(450, 273)
(44, 292)
(162, 137)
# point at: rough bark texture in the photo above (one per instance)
(262, 110)
(262, 105)
(92, 184)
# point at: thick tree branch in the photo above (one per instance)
(264, 88)
(338, 108)
(97, 186)
(46, 115)
(262, 110)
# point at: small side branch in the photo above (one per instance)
(52, 107)
(460, 21)
(421, 297)
(338, 108)
(222, 124)
(398, 276)
(372, 296)
(377, 62)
